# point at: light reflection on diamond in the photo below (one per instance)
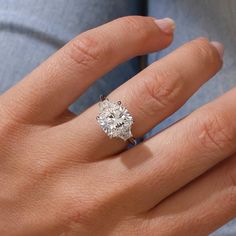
(115, 120)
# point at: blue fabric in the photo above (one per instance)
(31, 30)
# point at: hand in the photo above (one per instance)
(61, 175)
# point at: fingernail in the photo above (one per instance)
(219, 47)
(167, 25)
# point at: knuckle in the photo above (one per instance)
(215, 131)
(159, 91)
(205, 51)
(84, 50)
(137, 24)
(132, 22)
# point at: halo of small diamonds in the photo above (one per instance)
(114, 119)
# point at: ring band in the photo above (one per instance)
(115, 120)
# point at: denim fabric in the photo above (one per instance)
(31, 30)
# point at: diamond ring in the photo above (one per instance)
(115, 120)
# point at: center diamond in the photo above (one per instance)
(115, 120)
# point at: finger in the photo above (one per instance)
(160, 166)
(54, 85)
(150, 96)
(201, 207)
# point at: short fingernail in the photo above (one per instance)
(167, 25)
(219, 47)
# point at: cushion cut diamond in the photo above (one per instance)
(115, 120)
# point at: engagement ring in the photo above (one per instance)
(115, 120)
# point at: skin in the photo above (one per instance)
(61, 175)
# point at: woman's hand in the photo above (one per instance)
(61, 175)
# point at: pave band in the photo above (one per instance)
(115, 120)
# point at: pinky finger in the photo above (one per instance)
(199, 208)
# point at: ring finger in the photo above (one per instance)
(151, 96)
